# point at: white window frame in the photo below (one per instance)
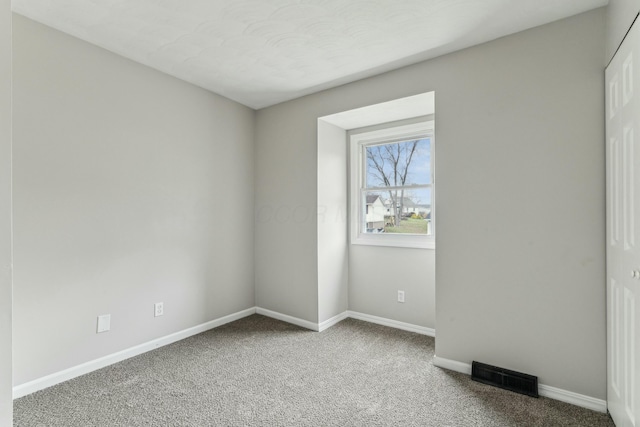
(358, 142)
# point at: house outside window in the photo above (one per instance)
(392, 187)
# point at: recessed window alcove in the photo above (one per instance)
(366, 279)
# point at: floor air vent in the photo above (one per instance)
(504, 378)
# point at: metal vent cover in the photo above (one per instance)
(504, 378)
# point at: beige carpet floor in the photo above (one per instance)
(262, 372)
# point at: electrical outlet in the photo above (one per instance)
(400, 296)
(104, 323)
(158, 309)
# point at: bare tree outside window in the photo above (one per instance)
(400, 174)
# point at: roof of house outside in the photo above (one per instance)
(371, 198)
(407, 202)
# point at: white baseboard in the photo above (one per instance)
(93, 365)
(452, 365)
(566, 396)
(339, 317)
(289, 319)
(465, 368)
(330, 322)
(392, 323)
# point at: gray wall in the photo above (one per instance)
(286, 235)
(333, 257)
(520, 174)
(131, 187)
(620, 15)
(520, 267)
(376, 274)
(6, 404)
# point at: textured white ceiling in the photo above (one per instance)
(262, 52)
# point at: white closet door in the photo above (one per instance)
(623, 225)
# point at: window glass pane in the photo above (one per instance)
(397, 211)
(398, 163)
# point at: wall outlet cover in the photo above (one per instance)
(104, 323)
(400, 296)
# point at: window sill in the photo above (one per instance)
(397, 241)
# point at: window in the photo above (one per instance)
(392, 186)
